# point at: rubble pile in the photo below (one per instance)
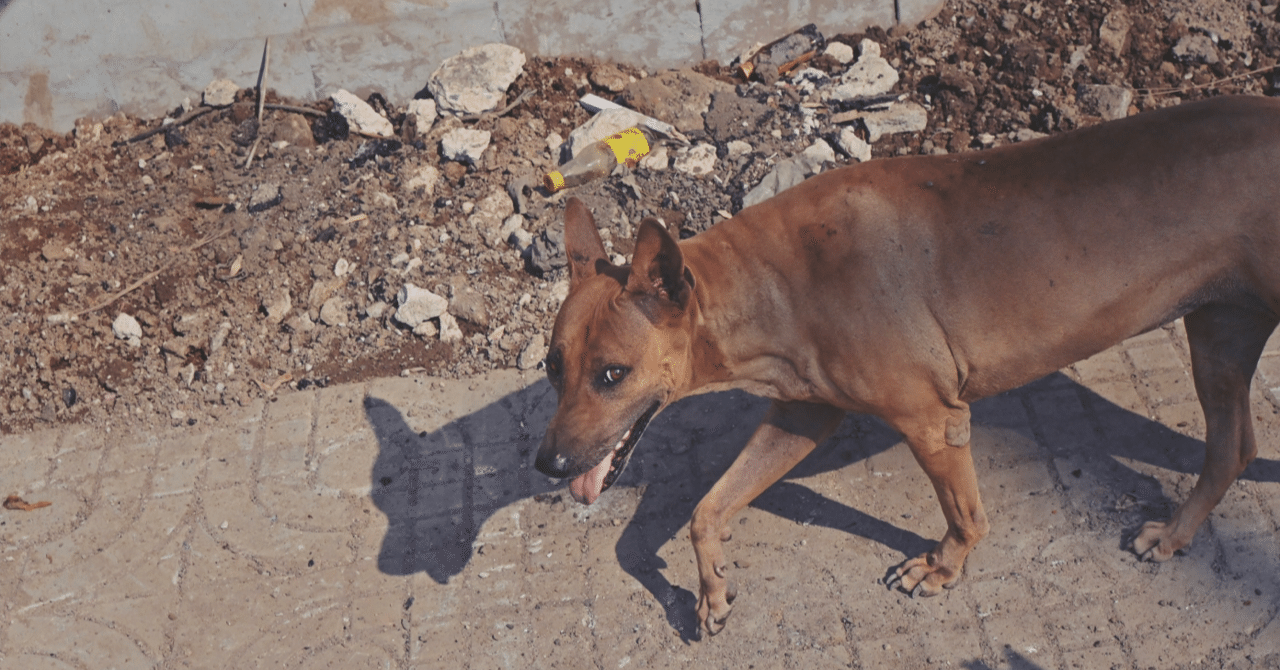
(221, 258)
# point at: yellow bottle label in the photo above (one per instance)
(629, 146)
(554, 181)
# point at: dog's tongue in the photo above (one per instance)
(585, 488)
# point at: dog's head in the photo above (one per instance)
(620, 351)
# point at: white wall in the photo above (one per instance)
(71, 58)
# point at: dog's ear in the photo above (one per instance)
(582, 242)
(657, 267)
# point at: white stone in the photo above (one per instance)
(658, 159)
(416, 304)
(818, 154)
(449, 330)
(1105, 100)
(853, 146)
(476, 80)
(605, 123)
(360, 115)
(464, 145)
(424, 114)
(698, 160)
(278, 305)
(127, 328)
(509, 227)
(738, 148)
(903, 117)
(489, 214)
(533, 353)
(426, 329)
(784, 175)
(554, 141)
(425, 177)
(220, 93)
(870, 76)
(341, 268)
(334, 311)
(840, 51)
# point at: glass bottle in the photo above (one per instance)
(599, 159)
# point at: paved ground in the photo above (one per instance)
(399, 524)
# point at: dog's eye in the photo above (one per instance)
(613, 374)
(552, 365)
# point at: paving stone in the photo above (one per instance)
(317, 548)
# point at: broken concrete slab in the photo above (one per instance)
(679, 97)
(476, 80)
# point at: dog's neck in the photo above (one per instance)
(738, 331)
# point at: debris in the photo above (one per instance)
(488, 215)
(373, 150)
(424, 115)
(785, 175)
(127, 328)
(220, 93)
(334, 311)
(817, 154)
(853, 146)
(843, 53)
(476, 80)
(464, 145)
(423, 177)
(680, 96)
(468, 304)
(903, 117)
(360, 116)
(781, 56)
(608, 77)
(1114, 30)
(870, 76)
(602, 125)
(736, 148)
(277, 306)
(449, 330)
(1105, 100)
(416, 305)
(262, 79)
(533, 352)
(595, 103)
(16, 503)
(698, 160)
(265, 196)
(1196, 49)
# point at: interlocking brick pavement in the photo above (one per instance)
(399, 524)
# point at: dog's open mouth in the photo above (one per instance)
(588, 486)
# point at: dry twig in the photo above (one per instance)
(64, 317)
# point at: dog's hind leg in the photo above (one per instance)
(788, 433)
(1226, 342)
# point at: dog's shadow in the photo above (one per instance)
(438, 488)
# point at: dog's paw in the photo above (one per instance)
(1154, 542)
(713, 616)
(920, 578)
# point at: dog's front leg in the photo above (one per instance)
(790, 431)
(940, 444)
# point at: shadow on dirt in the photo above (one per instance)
(438, 488)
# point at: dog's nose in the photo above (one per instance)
(552, 465)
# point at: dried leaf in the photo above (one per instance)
(17, 503)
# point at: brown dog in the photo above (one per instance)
(909, 288)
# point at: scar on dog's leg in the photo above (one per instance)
(1225, 342)
(788, 433)
(949, 464)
